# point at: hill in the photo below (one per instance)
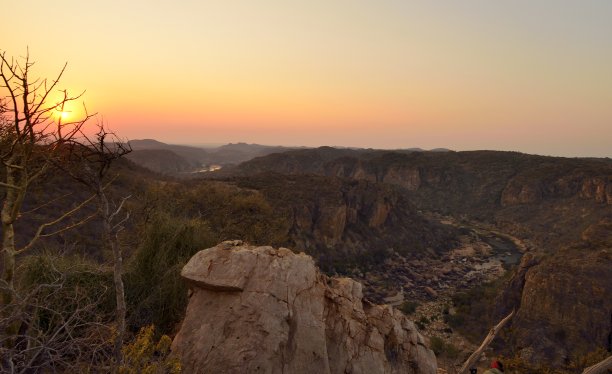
(192, 155)
(181, 160)
(162, 161)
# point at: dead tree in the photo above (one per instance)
(32, 137)
(91, 159)
(600, 368)
(485, 343)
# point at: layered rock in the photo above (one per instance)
(598, 188)
(266, 310)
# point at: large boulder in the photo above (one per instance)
(267, 310)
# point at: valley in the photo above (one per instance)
(454, 240)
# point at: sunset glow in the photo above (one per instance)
(522, 75)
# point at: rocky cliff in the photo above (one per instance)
(565, 307)
(266, 310)
(531, 196)
(342, 222)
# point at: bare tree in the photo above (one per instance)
(93, 158)
(32, 138)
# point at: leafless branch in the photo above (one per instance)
(485, 343)
(9, 185)
(64, 216)
(46, 204)
(600, 368)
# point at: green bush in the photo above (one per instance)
(155, 292)
(440, 347)
(454, 320)
(422, 323)
(437, 345)
(408, 307)
(473, 309)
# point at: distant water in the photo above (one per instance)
(504, 249)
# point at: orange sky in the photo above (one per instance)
(532, 76)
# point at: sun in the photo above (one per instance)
(63, 115)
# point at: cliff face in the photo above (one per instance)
(330, 215)
(530, 195)
(565, 307)
(597, 188)
(521, 190)
(266, 310)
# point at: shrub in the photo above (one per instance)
(454, 320)
(145, 356)
(59, 319)
(155, 292)
(473, 309)
(439, 346)
(422, 323)
(408, 307)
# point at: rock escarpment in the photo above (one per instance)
(266, 310)
(528, 196)
(341, 221)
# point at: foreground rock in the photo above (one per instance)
(266, 310)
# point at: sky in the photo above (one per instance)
(533, 76)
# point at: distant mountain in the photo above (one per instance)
(193, 155)
(176, 159)
(196, 158)
(234, 153)
(162, 161)
(138, 144)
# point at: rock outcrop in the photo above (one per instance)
(266, 310)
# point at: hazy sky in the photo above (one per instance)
(526, 75)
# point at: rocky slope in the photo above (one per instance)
(266, 310)
(560, 207)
